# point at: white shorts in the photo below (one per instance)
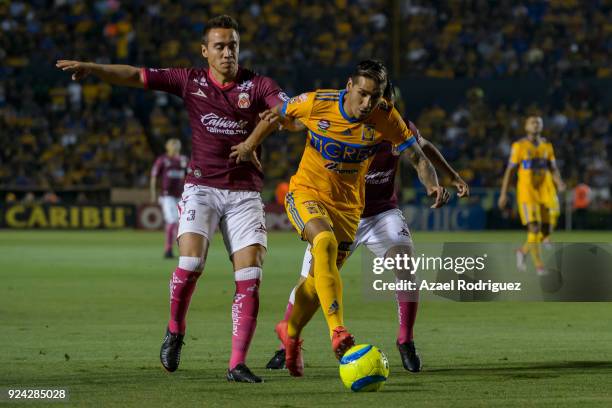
(169, 206)
(379, 233)
(239, 214)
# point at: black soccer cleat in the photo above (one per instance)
(277, 362)
(170, 353)
(241, 373)
(410, 359)
(168, 254)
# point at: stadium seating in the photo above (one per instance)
(57, 133)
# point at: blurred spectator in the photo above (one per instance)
(581, 201)
(50, 198)
(581, 197)
(82, 198)
(29, 198)
(280, 192)
(486, 39)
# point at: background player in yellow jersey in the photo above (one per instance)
(326, 195)
(534, 158)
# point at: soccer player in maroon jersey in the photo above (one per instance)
(383, 230)
(171, 167)
(223, 102)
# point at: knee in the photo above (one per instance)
(325, 243)
(260, 255)
(533, 227)
(399, 250)
(251, 256)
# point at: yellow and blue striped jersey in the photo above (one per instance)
(339, 148)
(533, 161)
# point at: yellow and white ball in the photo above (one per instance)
(364, 368)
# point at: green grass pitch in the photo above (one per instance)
(87, 311)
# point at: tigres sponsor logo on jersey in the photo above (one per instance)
(335, 150)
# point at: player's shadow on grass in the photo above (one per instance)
(519, 367)
(515, 371)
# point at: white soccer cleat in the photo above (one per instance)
(521, 260)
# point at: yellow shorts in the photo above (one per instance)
(534, 212)
(303, 206)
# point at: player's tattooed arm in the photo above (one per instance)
(440, 163)
(245, 151)
(503, 195)
(286, 123)
(427, 175)
(123, 75)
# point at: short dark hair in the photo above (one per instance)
(373, 69)
(389, 92)
(222, 21)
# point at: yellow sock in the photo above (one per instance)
(304, 307)
(534, 239)
(327, 278)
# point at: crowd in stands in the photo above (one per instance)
(495, 39)
(57, 133)
(472, 38)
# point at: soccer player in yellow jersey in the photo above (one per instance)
(326, 195)
(534, 158)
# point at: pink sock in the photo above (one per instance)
(182, 285)
(406, 313)
(244, 313)
(407, 305)
(170, 236)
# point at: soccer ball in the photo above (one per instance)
(364, 368)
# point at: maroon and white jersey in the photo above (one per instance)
(380, 189)
(220, 116)
(172, 171)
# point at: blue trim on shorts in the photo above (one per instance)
(294, 212)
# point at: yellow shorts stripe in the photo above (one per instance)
(526, 213)
(294, 212)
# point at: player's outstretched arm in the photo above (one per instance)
(503, 196)
(427, 175)
(124, 75)
(440, 163)
(245, 151)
